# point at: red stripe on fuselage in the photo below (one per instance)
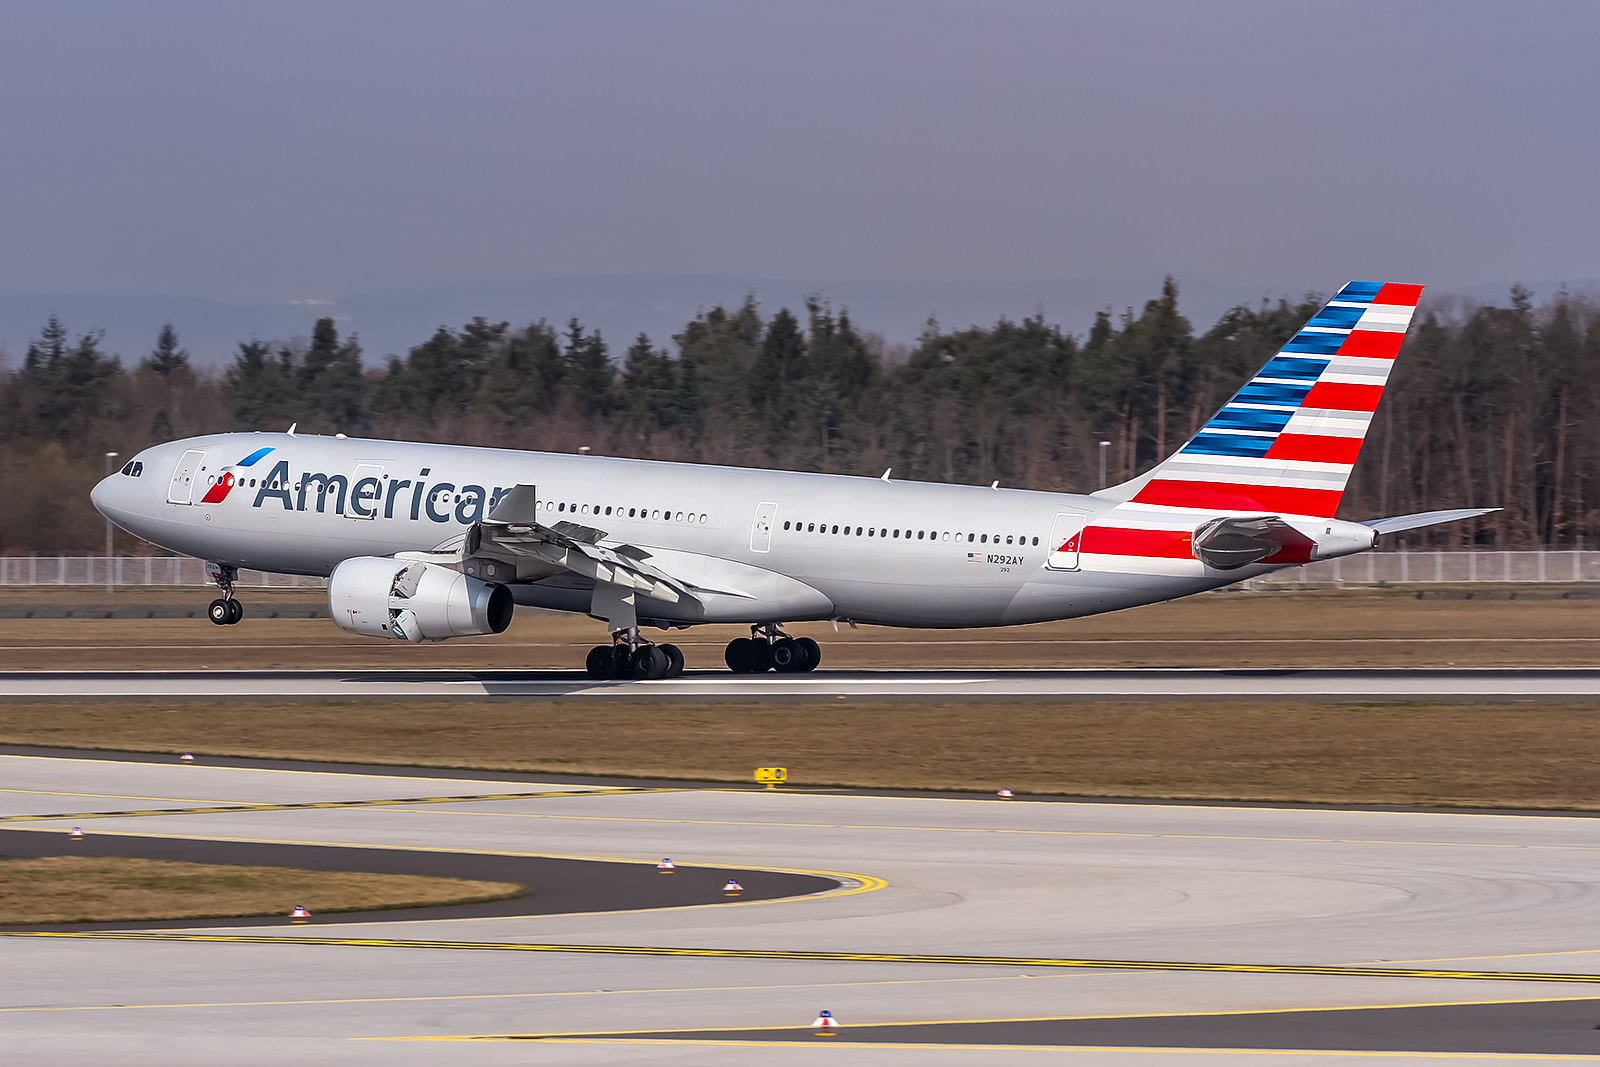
(1314, 448)
(1343, 396)
(1117, 541)
(1231, 496)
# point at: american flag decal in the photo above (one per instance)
(974, 557)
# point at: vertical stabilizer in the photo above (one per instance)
(1286, 443)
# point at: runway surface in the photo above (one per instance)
(961, 931)
(1142, 684)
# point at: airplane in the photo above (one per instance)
(423, 542)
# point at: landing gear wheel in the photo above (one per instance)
(786, 656)
(674, 660)
(235, 611)
(740, 655)
(812, 651)
(218, 612)
(602, 662)
(760, 657)
(649, 663)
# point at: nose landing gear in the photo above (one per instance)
(224, 611)
(770, 649)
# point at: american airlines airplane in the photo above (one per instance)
(422, 542)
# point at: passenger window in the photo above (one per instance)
(680, 516)
(984, 538)
(811, 527)
(785, 524)
(1035, 540)
(836, 529)
(702, 516)
(1008, 539)
(897, 533)
(871, 530)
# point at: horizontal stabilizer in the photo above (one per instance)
(1424, 518)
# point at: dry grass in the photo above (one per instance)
(60, 889)
(1488, 754)
(1499, 626)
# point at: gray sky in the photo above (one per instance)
(274, 151)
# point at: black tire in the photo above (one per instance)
(740, 655)
(812, 650)
(218, 612)
(760, 657)
(602, 662)
(235, 611)
(649, 663)
(674, 660)
(786, 656)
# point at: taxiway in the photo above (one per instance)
(1105, 933)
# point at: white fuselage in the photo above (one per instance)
(775, 546)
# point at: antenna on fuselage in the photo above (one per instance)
(885, 475)
(292, 425)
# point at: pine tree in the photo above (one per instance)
(167, 358)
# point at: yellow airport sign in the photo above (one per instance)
(772, 777)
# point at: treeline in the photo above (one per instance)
(1488, 405)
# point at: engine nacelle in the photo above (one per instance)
(405, 600)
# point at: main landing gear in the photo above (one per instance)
(224, 611)
(770, 649)
(629, 657)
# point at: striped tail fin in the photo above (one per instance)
(1286, 443)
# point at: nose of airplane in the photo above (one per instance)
(110, 497)
(100, 495)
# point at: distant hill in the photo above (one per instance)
(620, 306)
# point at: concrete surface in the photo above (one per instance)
(1469, 895)
(1013, 684)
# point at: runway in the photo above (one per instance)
(958, 931)
(1018, 684)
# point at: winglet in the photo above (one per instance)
(517, 506)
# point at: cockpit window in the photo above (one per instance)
(132, 468)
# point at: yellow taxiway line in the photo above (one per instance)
(1329, 970)
(229, 809)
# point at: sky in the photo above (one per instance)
(298, 151)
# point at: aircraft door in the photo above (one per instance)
(761, 528)
(366, 491)
(1064, 539)
(181, 489)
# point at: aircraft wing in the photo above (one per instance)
(1398, 523)
(511, 532)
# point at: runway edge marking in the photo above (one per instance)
(1335, 970)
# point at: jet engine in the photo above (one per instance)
(405, 600)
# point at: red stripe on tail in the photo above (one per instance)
(1315, 448)
(1372, 344)
(1229, 496)
(1343, 396)
(1398, 293)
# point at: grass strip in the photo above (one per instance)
(1489, 754)
(62, 889)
